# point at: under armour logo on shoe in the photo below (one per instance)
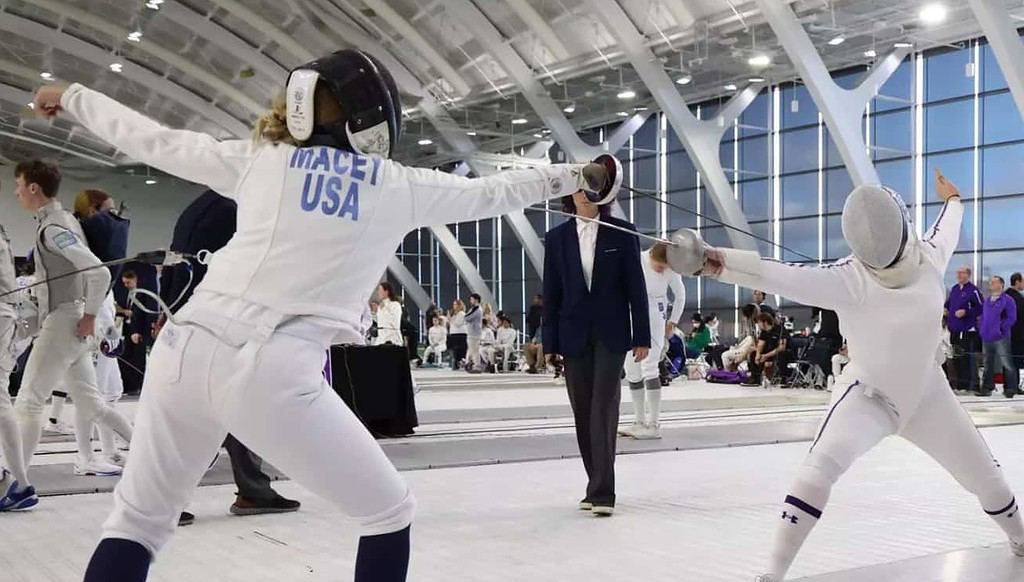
(792, 518)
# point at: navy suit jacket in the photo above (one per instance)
(613, 311)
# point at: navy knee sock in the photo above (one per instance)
(118, 560)
(383, 558)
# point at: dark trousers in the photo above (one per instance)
(252, 482)
(966, 345)
(593, 379)
(999, 359)
(715, 355)
(458, 345)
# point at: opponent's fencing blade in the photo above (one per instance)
(685, 252)
(603, 187)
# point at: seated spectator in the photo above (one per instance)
(715, 349)
(437, 338)
(699, 337)
(487, 340)
(771, 345)
(506, 341)
(741, 351)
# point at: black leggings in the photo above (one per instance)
(459, 347)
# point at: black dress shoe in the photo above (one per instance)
(246, 506)
(186, 518)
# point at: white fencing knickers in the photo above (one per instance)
(857, 421)
(59, 357)
(647, 369)
(271, 395)
(10, 439)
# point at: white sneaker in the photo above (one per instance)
(603, 510)
(1018, 548)
(59, 427)
(648, 432)
(96, 467)
(631, 430)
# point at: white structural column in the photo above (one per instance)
(1001, 31)
(842, 109)
(701, 138)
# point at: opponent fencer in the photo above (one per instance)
(893, 282)
(437, 342)
(15, 491)
(69, 302)
(245, 355)
(644, 376)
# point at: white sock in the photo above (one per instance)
(1008, 518)
(57, 406)
(636, 392)
(10, 441)
(31, 426)
(107, 439)
(800, 513)
(653, 390)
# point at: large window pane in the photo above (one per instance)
(898, 175)
(958, 167)
(1001, 120)
(1002, 263)
(800, 235)
(1002, 224)
(800, 150)
(682, 175)
(1002, 170)
(991, 75)
(806, 112)
(949, 126)
(716, 296)
(898, 91)
(800, 195)
(756, 199)
(678, 218)
(756, 119)
(893, 134)
(764, 231)
(837, 187)
(944, 75)
(835, 245)
(755, 157)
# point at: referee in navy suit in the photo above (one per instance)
(595, 311)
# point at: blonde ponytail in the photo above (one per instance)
(272, 126)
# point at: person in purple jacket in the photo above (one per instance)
(997, 319)
(963, 307)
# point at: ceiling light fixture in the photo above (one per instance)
(471, 132)
(538, 136)
(116, 67)
(837, 41)
(622, 114)
(756, 80)
(519, 121)
(150, 181)
(626, 94)
(46, 75)
(135, 36)
(729, 87)
(934, 13)
(870, 53)
(759, 61)
(425, 141)
(903, 44)
(684, 80)
(153, 5)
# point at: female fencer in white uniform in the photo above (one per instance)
(894, 383)
(321, 210)
(644, 377)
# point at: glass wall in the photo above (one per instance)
(947, 108)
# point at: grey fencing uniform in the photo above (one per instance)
(10, 441)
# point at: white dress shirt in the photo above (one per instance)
(587, 232)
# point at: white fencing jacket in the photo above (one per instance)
(316, 225)
(658, 285)
(893, 334)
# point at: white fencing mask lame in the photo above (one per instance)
(877, 226)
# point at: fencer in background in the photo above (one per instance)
(14, 494)
(485, 349)
(246, 354)
(437, 339)
(389, 317)
(888, 291)
(474, 333)
(644, 377)
(75, 290)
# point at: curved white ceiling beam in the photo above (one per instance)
(171, 58)
(261, 24)
(20, 26)
(682, 15)
(214, 33)
(428, 52)
(540, 27)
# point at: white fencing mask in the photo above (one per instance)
(877, 226)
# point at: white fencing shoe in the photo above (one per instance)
(648, 432)
(59, 427)
(631, 430)
(96, 467)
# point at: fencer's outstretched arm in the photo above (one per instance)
(440, 198)
(828, 286)
(191, 155)
(940, 241)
